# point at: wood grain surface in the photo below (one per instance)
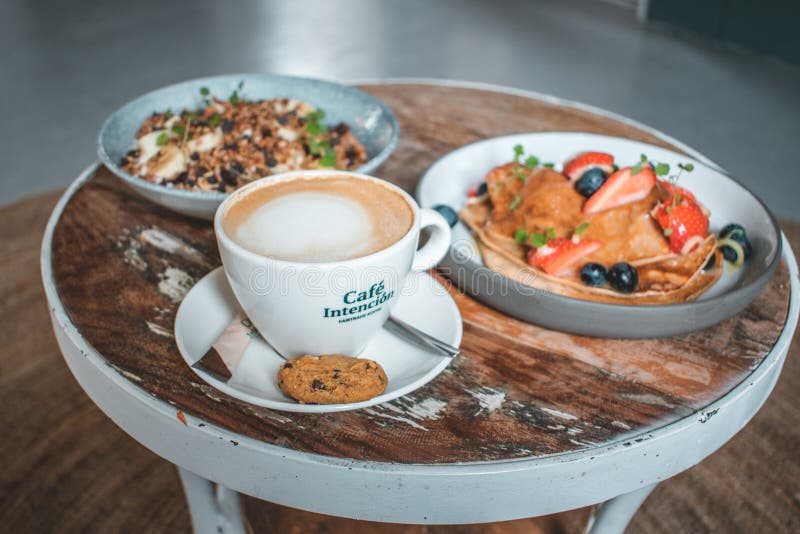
(122, 265)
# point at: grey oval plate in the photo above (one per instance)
(372, 122)
(448, 180)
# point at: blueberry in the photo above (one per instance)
(482, 189)
(736, 233)
(730, 229)
(590, 181)
(623, 277)
(593, 274)
(448, 213)
(729, 253)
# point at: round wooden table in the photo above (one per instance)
(524, 422)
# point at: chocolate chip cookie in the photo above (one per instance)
(331, 379)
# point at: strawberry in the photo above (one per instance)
(580, 163)
(622, 187)
(684, 222)
(561, 254)
(673, 189)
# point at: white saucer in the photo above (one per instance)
(210, 306)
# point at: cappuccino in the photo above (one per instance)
(318, 219)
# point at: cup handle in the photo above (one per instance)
(438, 243)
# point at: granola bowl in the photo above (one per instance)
(169, 120)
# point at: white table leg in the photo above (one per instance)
(213, 511)
(613, 516)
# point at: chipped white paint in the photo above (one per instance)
(405, 420)
(489, 399)
(170, 244)
(561, 415)
(126, 374)
(159, 330)
(429, 408)
(174, 284)
(424, 410)
(648, 398)
(131, 257)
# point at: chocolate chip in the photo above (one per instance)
(226, 126)
(302, 121)
(271, 162)
(212, 179)
(342, 128)
(266, 132)
(123, 161)
(230, 146)
(237, 167)
(335, 375)
(201, 171)
(283, 120)
(317, 385)
(333, 141)
(350, 153)
(132, 153)
(195, 156)
(221, 188)
(191, 182)
(182, 177)
(287, 365)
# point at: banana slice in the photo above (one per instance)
(169, 163)
(206, 141)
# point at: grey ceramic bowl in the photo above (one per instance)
(448, 180)
(372, 122)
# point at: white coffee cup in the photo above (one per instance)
(333, 307)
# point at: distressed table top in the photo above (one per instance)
(122, 265)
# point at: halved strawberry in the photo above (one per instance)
(580, 163)
(684, 222)
(622, 187)
(560, 254)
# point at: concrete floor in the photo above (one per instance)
(64, 66)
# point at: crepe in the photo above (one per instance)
(544, 199)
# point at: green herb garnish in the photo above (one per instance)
(521, 236)
(240, 85)
(520, 173)
(162, 139)
(234, 99)
(315, 126)
(204, 91)
(515, 202)
(518, 151)
(551, 233)
(643, 158)
(636, 169)
(548, 165)
(662, 169)
(179, 130)
(538, 240)
(688, 167)
(531, 162)
(581, 228)
(214, 120)
(328, 159)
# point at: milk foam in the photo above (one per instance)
(308, 226)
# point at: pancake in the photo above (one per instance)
(546, 200)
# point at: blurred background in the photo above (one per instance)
(723, 76)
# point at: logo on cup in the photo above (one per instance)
(359, 304)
